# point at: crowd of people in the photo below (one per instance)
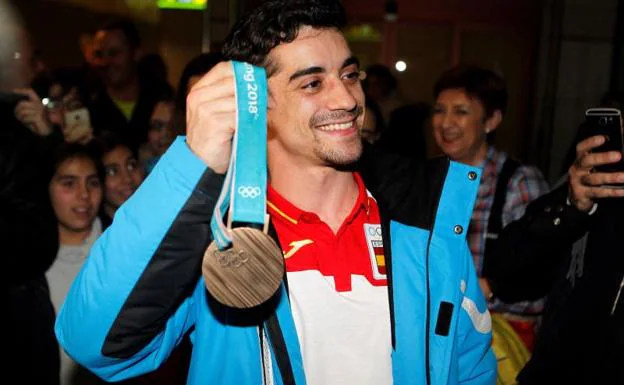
(398, 268)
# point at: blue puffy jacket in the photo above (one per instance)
(140, 290)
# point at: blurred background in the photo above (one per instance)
(558, 57)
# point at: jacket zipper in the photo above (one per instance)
(385, 231)
(428, 318)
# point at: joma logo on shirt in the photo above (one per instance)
(296, 246)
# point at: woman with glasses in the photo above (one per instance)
(159, 133)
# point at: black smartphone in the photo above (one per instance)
(607, 122)
(11, 97)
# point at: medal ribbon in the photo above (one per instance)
(244, 189)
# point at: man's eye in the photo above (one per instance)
(315, 84)
(352, 76)
(111, 171)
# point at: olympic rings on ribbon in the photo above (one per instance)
(249, 191)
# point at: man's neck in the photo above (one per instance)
(128, 92)
(325, 191)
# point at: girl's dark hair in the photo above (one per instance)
(106, 142)
(275, 22)
(67, 151)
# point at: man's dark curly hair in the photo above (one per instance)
(276, 22)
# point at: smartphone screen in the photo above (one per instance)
(79, 117)
(607, 122)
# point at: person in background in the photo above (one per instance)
(382, 86)
(193, 71)
(569, 245)
(28, 228)
(123, 174)
(90, 81)
(123, 104)
(76, 194)
(160, 132)
(153, 71)
(469, 106)
(405, 133)
(373, 127)
(59, 94)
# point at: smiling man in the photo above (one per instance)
(379, 286)
(124, 102)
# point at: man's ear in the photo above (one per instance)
(270, 100)
(493, 121)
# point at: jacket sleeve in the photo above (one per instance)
(131, 303)
(476, 360)
(529, 251)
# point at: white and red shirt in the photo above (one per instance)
(338, 291)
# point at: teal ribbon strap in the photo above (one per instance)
(244, 189)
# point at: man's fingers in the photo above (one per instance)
(223, 88)
(212, 108)
(25, 112)
(25, 106)
(604, 192)
(591, 160)
(589, 144)
(602, 178)
(225, 117)
(221, 70)
(32, 95)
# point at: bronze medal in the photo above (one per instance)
(248, 273)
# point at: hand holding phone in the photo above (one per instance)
(77, 126)
(586, 185)
(31, 112)
(608, 123)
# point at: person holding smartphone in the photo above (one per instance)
(569, 245)
(53, 108)
(28, 229)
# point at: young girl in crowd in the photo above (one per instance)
(76, 194)
(123, 174)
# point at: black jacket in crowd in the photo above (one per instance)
(581, 341)
(28, 244)
(105, 116)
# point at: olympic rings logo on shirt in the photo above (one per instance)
(249, 191)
